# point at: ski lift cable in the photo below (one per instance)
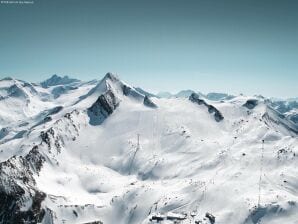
(134, 155)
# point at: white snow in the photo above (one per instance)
(187, 163)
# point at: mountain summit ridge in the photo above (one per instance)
(55, 80)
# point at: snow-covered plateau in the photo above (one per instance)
(107, 152)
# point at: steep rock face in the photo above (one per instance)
(109, 88)
(279, 119)
(108, 101)
(217, 114)
(20, 201)
(148, 102)
(251, 104)
(131, 92)
(211, 109)
(103, 107)
(55, 138)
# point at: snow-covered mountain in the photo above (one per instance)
(58, 80)
(186, 94)
(287, 107)
(106, 152)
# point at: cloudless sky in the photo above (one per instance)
(239, 46)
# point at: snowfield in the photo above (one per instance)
(103, 152)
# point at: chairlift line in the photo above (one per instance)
(134, 155)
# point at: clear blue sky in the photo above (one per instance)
(248, 46)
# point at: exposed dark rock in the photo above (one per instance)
(47, 119)
(131, 92)
(35, 159)
(157, 218)
(95, 222)
(111, 76)
(210, 217)
(126, 90)
(43, 121)
(4, 132)
(75, 213)
(20, 200)
(194, 97)
(217, 115)
(103, 107)
(46, 136)
(17, 189)
(148, 102)
(251, 104)
(55, 110)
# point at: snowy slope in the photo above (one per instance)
(110, 154)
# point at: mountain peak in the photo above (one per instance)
(8, 78)
(58, 80)
(111, 76)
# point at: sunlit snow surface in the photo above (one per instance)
(187, 164)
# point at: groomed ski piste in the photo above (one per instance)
(105, 152)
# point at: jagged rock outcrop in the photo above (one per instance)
(210, 217)
(148, 102)
(251, 104)
(103, 107)
(131, 92)
(211, 109)
(20, 201)
(108, 101)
